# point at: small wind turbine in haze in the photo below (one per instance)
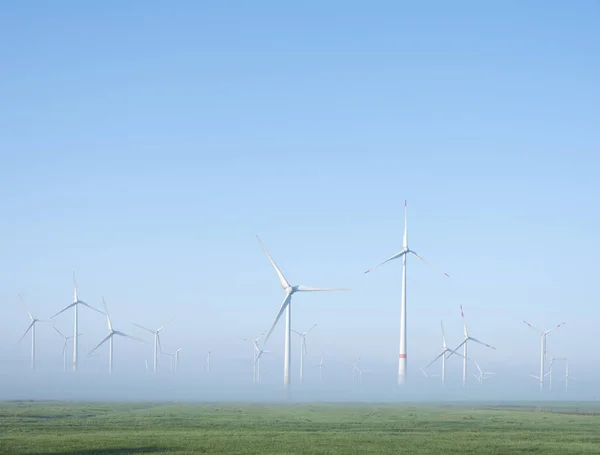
(543, 350)
(481, 375)
(303, 350)
(76, 303)
(259, 353)
(31, 327)
(320, 366)
(466, 339)
(403, 254)
(157, 347)
(111, 333)
(567, 376)
(64, 350)
(355, 369)
(360, 373)
(176, 353)
(286, 306)
(550, 367)
(441, 355)
(208, 362)
(255, 351)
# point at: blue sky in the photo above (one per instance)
(145, 145)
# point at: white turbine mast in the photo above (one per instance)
(259, 352)
(208, 361)
(64, 349)
(157, 347)
(567, 375)
(286, 306)
(111, 333)
(466, 339)
(255, 351)
(76, 303)
(403, 254)
(31, 327)
(355, 369)
(303, 350)
(542, 350)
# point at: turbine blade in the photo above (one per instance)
(433, 361)
(310, 329)
(534, 328)
(60, 333)
(75, 298)
(443, 336)
(162, 327)
(99, 344)
(28, 312)
(311, 289)
(128, 336)
(396, 256)
(107, 315)
(483, 344)
(453, 351)
(478, 368)
(304, 345)
(90, 307)
(142, 327)
(284, 305)
(26, 331)
(64, 309)
(462, 315)
(424, 373)
(282, 280)
(429, 263)
(295, 331)
(534, 376)
(552, 330)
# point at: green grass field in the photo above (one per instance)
(105, 428)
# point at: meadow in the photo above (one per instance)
(179, 428)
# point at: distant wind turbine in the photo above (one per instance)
(255, 351)
(111, 333)
(441, 355)
(157, 347)
(76, 303)
(64, 350)
(31, 327)
(403, 254)
(543, 350)
(360, 373)
(303, 350)
(286, 306)
(466, 339)
(567, 376)
(355, 369)
(259, 353)
(320, 366)
(481, 375)
(208, 362)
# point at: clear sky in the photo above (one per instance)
(145, 144)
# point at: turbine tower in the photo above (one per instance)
(64, 350)
(567, 376)
(111, 333)
(303, 350)
(76, 303)
(286, 306)
(255, 352)
(543, 349)
(157, 347)
(258, 354)
(208, 362)
(466, 339)
(177, 351)
(403, 254)
(31, 327)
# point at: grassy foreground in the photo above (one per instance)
(105, 428)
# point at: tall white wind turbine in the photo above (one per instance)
(111, 333)
(31, 327)
(303, 349)
(286, 306)
(64, 350)
(403, 254)
(543, 349)
(157, 347)
(76, 303)
(466, 339)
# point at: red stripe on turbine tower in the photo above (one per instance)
(402, 356)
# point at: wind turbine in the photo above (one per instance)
(286, 306)
(157, 347)
(442, 354)
(360, 373)
(403, 254)
(75, 304)
(543, 349)
(567, 376)
(31, 327)
(259, 352)
(466, 339)
(255, 350)
(320, 366)
(111, 333)
(550, 367)
(481, 374)
(64, 350)
(303, 349)
(176, 353)
(430, 376)
(355, 369)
